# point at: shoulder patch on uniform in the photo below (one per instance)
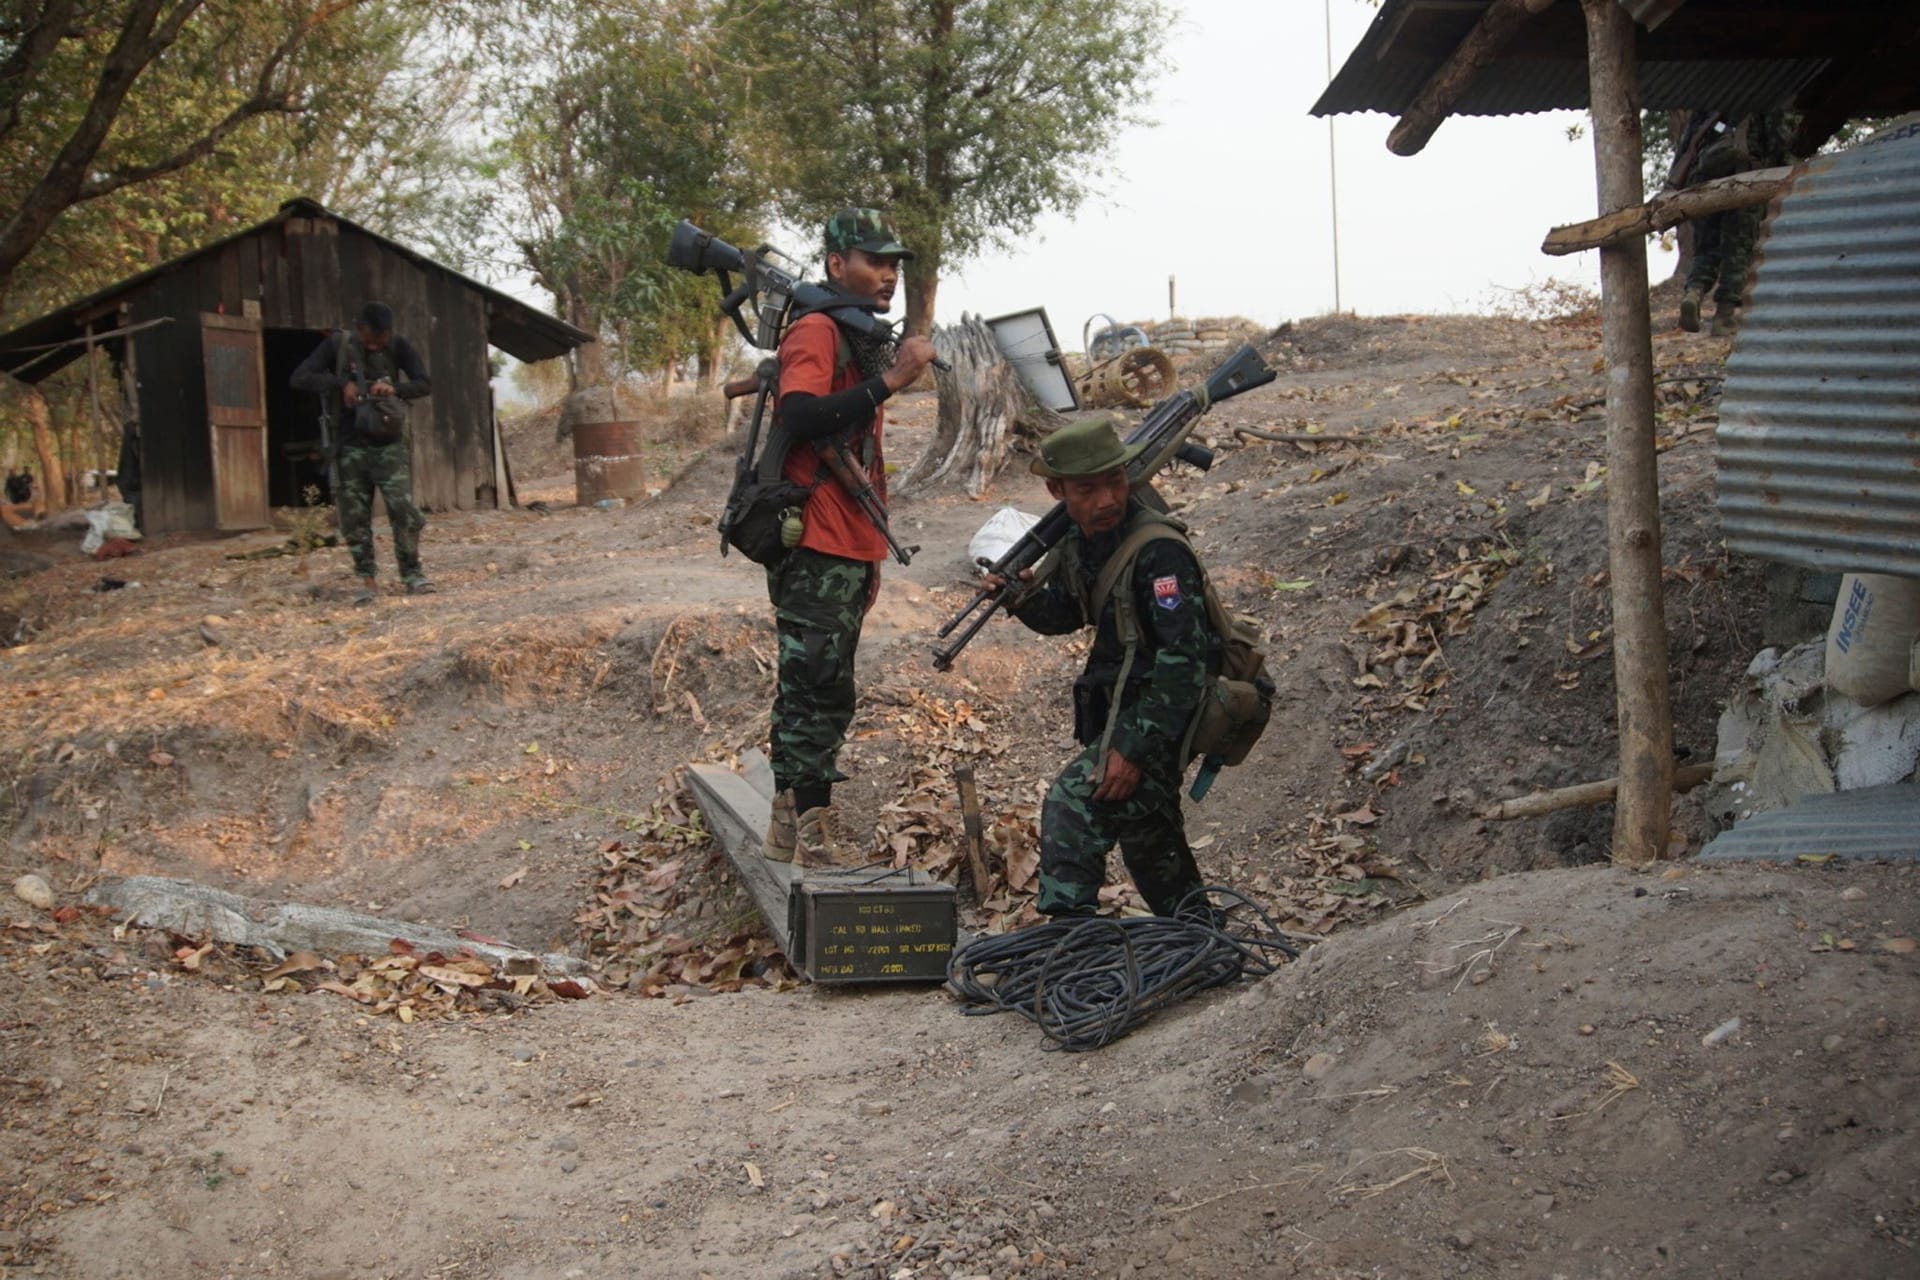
(1166, 592)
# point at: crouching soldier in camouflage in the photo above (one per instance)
(365, 380)
(833, 383)
(1127, 571)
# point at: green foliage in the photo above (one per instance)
(966, 119)
(352, 102)
(625, 130)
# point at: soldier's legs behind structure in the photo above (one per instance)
(1706, 269)
(1739, 230)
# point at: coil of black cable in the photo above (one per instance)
(1086, 982)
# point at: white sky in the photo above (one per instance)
(1230, 195)
(1229, 192)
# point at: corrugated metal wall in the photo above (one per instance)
(1819, 439)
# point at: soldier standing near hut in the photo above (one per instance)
(365, 380)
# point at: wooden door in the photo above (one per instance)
(235, 361)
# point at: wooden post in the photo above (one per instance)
(974, 829)
(1438, 96)
(1756, 186)
(1642, 695)
(93, 416)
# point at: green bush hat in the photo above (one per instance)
(1085, 448)
(867, 229)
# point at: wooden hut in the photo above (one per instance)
(204, 346)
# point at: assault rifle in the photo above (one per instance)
(769, 288)
(1164, 431)
(771, 291)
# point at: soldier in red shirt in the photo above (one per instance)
(833, 383)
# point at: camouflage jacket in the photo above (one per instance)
(1178, 649)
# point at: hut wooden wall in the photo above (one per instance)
(311, 274)
(177, 451)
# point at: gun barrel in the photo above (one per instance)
(943, 655)
(979, 598)
(1164, 432)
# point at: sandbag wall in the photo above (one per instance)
(1180, 336)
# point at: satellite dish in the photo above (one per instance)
(1027, 343)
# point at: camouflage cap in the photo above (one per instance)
(867, 229)
(1085, 448)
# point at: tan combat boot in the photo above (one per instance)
(1726, 321)
(781, 834)
(1690, 309)
(820, 843)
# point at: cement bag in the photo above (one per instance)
(1875, 621)
(997, 536)
(114, 520)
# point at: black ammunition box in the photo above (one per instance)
(869, 925)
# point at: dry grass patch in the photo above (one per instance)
(539, 657)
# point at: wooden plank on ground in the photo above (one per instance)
(758, 771)
(736, 807)
(737, 813)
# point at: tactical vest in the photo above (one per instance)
(371, 423)
(1238, 699)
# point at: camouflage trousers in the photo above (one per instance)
(364, 467)
(819, 602)
(1076, 831)
(1722, 252)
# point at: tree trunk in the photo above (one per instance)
(1642, 696)
(1683, 237)
(589, 364)
(922, 284)
(53, 477)
(982, 402)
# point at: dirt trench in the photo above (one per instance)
(498, 757)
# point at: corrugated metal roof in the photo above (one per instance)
(1732, 56)
(1872, 822)
(1819, 437)
(1526, 86)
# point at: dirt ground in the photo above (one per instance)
(1506, 1057)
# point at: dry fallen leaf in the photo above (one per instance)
(753, 1175)
(449, 976)
(298, 962)
(513, 878)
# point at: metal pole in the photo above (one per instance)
(1333, 169)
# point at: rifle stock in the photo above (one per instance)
(854, 482)
(1164, 431)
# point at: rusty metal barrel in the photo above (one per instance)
(607, 462)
